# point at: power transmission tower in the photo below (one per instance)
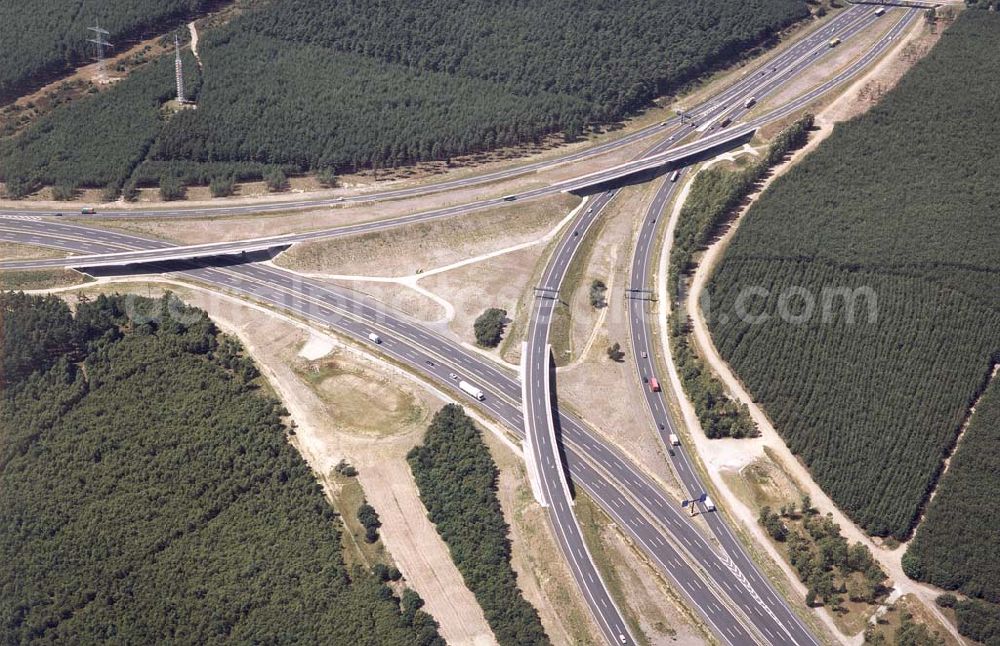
(179, 69)
(101, 40)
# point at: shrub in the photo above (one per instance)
(946, 600)
(327, 177)
(489, 327)
(222, 186)
(598, 290)
(63, 192)
(171, 189)
(276, 180)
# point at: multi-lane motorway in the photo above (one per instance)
(784, 67)
(724, 585)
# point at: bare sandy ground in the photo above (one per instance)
(14, 251)
(496, 282)
(410, 249)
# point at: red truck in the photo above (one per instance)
(654, 385)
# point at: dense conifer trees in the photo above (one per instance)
(148, 493)
(860, 299)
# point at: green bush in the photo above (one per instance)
(489, 327)
(222, 186)
(598, 293)
(276, 180)
(63, 192)
(171, 189)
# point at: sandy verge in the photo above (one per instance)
(15, 251)
(414, 248)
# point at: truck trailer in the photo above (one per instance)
(471, 390)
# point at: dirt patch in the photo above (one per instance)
(414, 248)
(31, 279)
(420, 551)
(14, 251)
(361, 401)
(497, 282)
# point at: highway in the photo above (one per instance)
(632, 499)
(401, 193)
(800, 56)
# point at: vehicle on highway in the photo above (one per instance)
(374, 338)
(654, 385)
(725, 122)
(709, 505)
(58, 215)
(880, 11)
(509, 198)
(471, 390)
(429, 363)
(834, 42)
(452, 375)
(674, 440)
(644, 355)
(749, 103)
(675, 176)
(88, 210)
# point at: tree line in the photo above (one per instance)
(457, 480)
(148, 492)
(714, 195)
(865, 321)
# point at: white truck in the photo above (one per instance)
(880, 11)
(674, 440)
(675, 176)
(749, 103)
(374, 338)
(471, 390)
(709, 505)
